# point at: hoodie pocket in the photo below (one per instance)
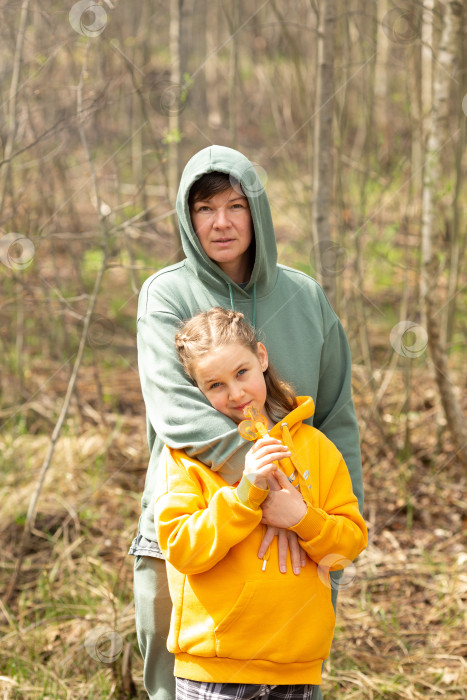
(278, 622)
(238, 610)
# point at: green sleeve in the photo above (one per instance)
(335, 412)
(177, 411)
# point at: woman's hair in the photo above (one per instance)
(218, 327)
(211, 184)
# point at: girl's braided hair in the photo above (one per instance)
(218, 327)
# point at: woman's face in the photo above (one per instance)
(225, 230)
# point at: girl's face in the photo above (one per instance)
(231, 377)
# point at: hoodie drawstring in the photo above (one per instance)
(267, 553)
(304, 480)
(254, 305)
(232, 305)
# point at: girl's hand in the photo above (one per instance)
(263, 454)
(283, 508)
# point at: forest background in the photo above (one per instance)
(355, 115)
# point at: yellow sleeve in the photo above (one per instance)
(336, 527)
(195, 531)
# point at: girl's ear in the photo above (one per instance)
(263, 357)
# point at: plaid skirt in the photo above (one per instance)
(198, 690)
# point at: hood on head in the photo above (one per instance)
(227, 160)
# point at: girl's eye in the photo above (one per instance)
(242, 371)
(215, 385)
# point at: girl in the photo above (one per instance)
(239, 628)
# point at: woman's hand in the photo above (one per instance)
(283, 508)
(286, 541)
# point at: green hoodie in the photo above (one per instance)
(304, 338)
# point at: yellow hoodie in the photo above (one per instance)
(232, 622)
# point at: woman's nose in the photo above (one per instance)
(221, 219)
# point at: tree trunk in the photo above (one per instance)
(13, 103)
(427, 103)
(456, 244)
(233, 22)
(382, 69)
(175, 104)
(325, 250)
(437, 137)
(211, 68)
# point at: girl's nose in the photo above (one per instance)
(236, 392)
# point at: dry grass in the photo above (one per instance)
(401, 624)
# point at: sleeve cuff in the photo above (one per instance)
(310, 525)
(250, 495)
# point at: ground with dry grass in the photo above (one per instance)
(68, 629)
